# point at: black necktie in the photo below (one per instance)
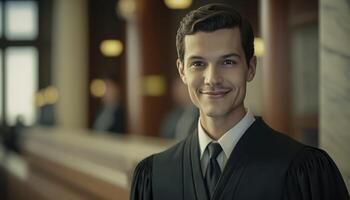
(213, 170)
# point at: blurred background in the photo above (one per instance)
(88, 88)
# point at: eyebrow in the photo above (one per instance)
(195, 57)
(231, 55)
(224, 56)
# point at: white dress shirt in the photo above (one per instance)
(227, 141)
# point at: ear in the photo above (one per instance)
(181, 70)
(251, 69)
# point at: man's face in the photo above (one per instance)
(216, 72)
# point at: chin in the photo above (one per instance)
(215, 113)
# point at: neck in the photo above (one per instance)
(216, 127)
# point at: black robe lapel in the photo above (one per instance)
(229, 180)
(197, 182)
(188, 179)
(237, 162)
(194, 185)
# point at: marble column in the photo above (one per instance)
(69, 62)
(335, 82)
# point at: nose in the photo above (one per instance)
(212, 75)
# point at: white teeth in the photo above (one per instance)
(215, 91)
(212, 91)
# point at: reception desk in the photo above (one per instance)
(75, 164)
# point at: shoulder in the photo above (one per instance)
(280, 139)
(143, 170)
(156, 169)
(312, 157)
(313, 173)
(174, 151)
(146, 165)
(271, 136)
(272, 142)
(141, 187)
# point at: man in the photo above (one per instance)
(232, 154)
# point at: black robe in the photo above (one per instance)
(264, 164)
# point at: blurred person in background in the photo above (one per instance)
(182, 119)
(232, 154)
(110, 118)
(46, 115)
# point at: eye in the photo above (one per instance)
(197, 64)
(229, 62)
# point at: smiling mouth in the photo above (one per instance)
(215, 94)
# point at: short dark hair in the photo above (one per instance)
(212, 17)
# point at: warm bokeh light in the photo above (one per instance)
(154, 85)
(97, 88)
(259, 46)
(178, 4)
(126, 8)
(51, 95)
(111, 48)
(39, 99)
(46, 96)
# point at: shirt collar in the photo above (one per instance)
(229, 140)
